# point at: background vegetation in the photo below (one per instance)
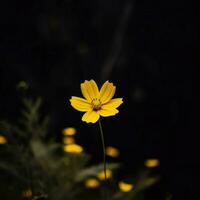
(148, 49)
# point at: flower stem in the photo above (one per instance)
(104, 149)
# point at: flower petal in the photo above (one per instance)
(107, 92)
(113, 103)
(90, 90)
(80, 104)
(90, 116)
(108, 112)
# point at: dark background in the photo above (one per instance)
(147, 49)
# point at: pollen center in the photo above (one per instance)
(96, 104)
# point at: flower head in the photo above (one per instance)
(73, 148)
(3, 140)
(112, 152)
(96, 103)
(125, 187)
(101, 174)
(69, 131)
(68, 140)
(92, 183)
(151, 162)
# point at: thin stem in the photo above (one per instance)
(104, 149)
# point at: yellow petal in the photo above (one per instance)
(107, 92)
(109, 109)
(80, 104)
(90, 116)
(90, 90)
(106, 112)
(113, 103)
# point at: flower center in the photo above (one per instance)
(96, 104)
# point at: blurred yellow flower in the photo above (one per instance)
(125, 187)
(101, 174)
(69, 131)
(73, 148)
(27, 193)
(3, 140)
(92, 183)
(68, 140)
(96, 103)
(151, 163)
(112, 152)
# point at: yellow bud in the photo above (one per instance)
(112, 152)
(27, 193)
(151, 163)
(69, 131)
(125, 187)
(92, 183)
(68, 140)
(73, 148)
(3, 140)
(101, 174)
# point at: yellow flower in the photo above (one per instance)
(27, 193)
(96, 103)
(125, 187)
(101, 175)
(69, 131)
(92, 183)
(151, 163)
(3, 140)
(73, 148)
(68, 140)
(112, 152)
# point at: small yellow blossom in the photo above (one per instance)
(68, 140)
(125, 187)
(92, 183)
(3, 140)
(151, 163)
(27, 193)
(69, 131)
(101, 174)
(73, 148)
(112, 152)
(96, 103)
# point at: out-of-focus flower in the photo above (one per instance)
(151, 163)
(112, 152)
(125, 187)
(92, 183)
(69, 131)
(27, 193)
(96, 103)
(22, 85)
(3, 140)
(101, 174)
(68, 140)
(73, 148)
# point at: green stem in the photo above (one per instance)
(104, 149)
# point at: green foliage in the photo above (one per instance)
(32, 167)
